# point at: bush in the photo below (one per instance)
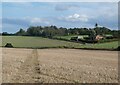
(87, 41)
(107, 40)
(9, 45)
(74, 38)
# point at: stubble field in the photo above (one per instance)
(59, 66)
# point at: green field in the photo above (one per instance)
(107, 45)
(35, 42)
(39, 42)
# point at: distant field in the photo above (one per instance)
(107, 45)
(35, 42)
(39, 42)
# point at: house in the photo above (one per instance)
(99, 37)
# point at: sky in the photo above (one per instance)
(16, 15)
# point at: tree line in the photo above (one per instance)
(50, 31)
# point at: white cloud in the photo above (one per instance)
(77, 17)
(37, 20)
(26, 21)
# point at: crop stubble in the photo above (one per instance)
(59, 66)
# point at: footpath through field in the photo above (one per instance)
(30, 71)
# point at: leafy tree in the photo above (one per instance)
(21, 32)
(92, 34)
(5, 33)
(50, 31)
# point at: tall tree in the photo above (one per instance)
(21, 32)
(92, 34)
(96, 25)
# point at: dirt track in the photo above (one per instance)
(59, 66)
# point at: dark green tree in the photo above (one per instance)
(96, 25)
(92, 34)
(21, 32)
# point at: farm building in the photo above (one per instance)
(99, 37)
(77, 38)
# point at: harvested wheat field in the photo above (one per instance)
(59, 66)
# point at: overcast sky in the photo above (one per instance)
(16, 15)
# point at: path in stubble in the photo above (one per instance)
(30, 71)
(27, 69)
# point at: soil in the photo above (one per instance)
(59, 66)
